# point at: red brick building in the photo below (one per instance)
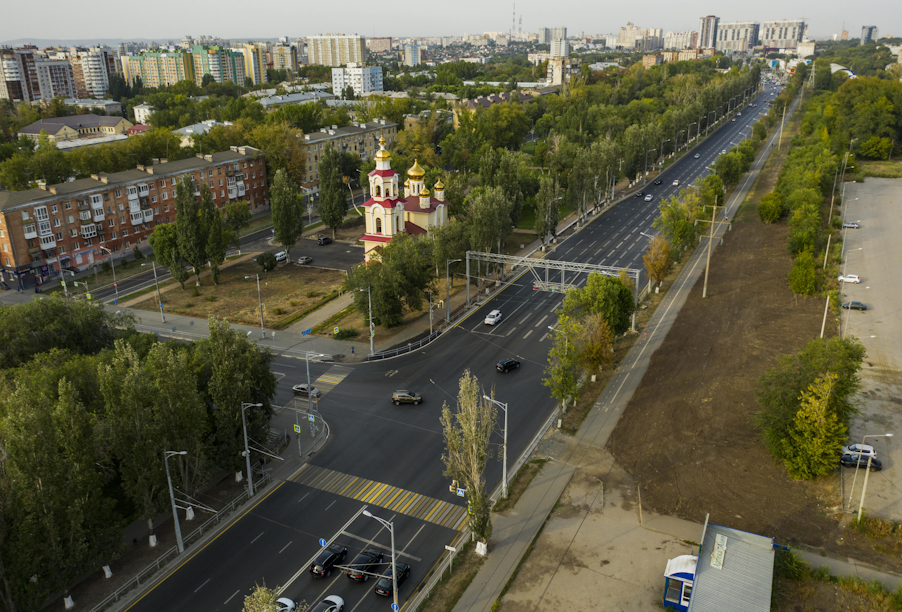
(61, 227)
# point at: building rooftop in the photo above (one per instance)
(75, 143)
(294, 98)
(53, 125)
(348, 130)
(201, 128)
(103, 181)
(90, 102)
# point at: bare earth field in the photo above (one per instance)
(687, 436)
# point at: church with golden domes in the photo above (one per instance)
(388, 213)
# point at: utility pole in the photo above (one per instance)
(713, 222)
(780, 140)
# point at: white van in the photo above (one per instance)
(281, 256)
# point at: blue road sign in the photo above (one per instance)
(322, 542)
(311, 418)
(395, 607)
(461, 492)
(307, 331)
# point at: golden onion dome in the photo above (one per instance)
(425, 192)
(416, 172)
(439, 185)
(407, 183)
(383, 155)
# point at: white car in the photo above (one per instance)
(676, 182)
(859, 449)
(283, 604)
(849, 278)
(493, 318)
(649, 198)
(851, 225)
(697, 156)
(332, 603)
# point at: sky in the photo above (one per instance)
(164, 20)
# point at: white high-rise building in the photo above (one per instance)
(559, 33)
(336, 49)
(560, 48)
(738, 36)
(869, 34)
(679, 40)
(412, 55)
(363, 79)
(55, 78)
(707, 31)
(783, 34)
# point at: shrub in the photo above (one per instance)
(267, 261)
(803, 276)
(347, 332)
(137, 254)
(770, 209)
(210, 298)
(189, 304)
(195, 292)
(279, 311)
(293, 303)
(312, 294)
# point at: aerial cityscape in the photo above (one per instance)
(530, 318)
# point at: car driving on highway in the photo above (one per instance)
(851, 225)
(364, 564)
(649, 197)
(384, 584)
(327, 560)
(332, 603)
(406, 397)
(302, 391)
(507, 364)
(854, 305)
(493, 318)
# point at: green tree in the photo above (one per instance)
(816, 435)
(547, 206)
(332, 202)
(165, 244)
(189, 225)
(657, 260)
(467, 432)
(781, 386)
(770, 209)
(803, 275)
(217, 241)
(677, 223)
(236, 216)
(287, 211)
(561, 374)
(605, 295)
(729, 168)
(267, 261)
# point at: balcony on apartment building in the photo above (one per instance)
(31, 231)
(88, 231)
(48, 242)
(137, 218)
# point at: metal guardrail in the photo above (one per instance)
(163, 560)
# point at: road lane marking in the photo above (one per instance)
(305, 497)
(527, 334)
(202, 586)
(543, 337)
(252, 541)
(284, 547)
(329, 506)
(231, 598)
(541, 320)
(523, 320)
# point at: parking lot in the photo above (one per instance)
(874, 253)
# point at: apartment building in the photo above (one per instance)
(284, 57)
(224, 64)
(254, 62)
(363, 79)
(336, 49)
(681, 40)
(63, 227)
(159, 69)
(142, 112)
(869, 34)
(707, 31)
(737, 36)
(92, 69)
(18, 74)
(546, 35)
(559, 48)
(359, 138)
(654, 59)
(59, 129)
(55, 78)
(379, 45)
(783, 34)
(412, 55)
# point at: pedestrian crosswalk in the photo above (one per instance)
(332, 377)
(385, 496)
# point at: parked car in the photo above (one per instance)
(697, 156)
(658, 181)
(283, 604)
(851, 225)
(649, 198)
(493, 318)
(323, 240)
(281, 256)
(676, 182)
(332, 603)
(859, 449)
(854, 306)
(303, 260)
(328, 559)
(860, 461)
(507, 364)
(639, 194)
(302, 391)
(406, 397)
(367, 561)
(384, 585)
(849, 278)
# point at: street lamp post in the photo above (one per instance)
(175, 514)
(689, 133)
(708, 122)
(113, 265)
(645, 176)
(369, 296)
(159, 295)
(247, 452)
(503, 406)
(307, 356)
(448, 263)
(260, 300)
(865, 486)
(394, 575)
(662, 150)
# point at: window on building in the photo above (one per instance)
(7, 261)
(53, 209)
(56, 223)
(172, 181)
(5, 249)
(156, 210)
(25, 215)
(163, 184)
(219, 170)
(124, 232)
(167, 219)
(212, 184)
(111, 223)
(210, 172)
(121, 207)
(87, 242)
(165, 196)
(62, 249)
(118, 194)
(59, 235)
(73, 233)
(67, 205)
(106, 197)
(128, 244)
(221, 193)
(112, 235)
(166, 208)
(173, 194)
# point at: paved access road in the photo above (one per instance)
(390, 456)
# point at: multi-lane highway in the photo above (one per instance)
(389, 457)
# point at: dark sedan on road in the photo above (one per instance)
(328, 559)
(854, 306)
(507, 364)
(406, 397)
(323, 240)
(384, 586)
(639, 194)
(658, 181)
(364, 564)
(860, 461)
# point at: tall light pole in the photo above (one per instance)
(852, 490)
(677, 145)
(157, 282)
(645, 177)
(394, 574)
(708, 121)
(247, 452)
(710, 243)
(307, 356)
(113, 265)
(369, 296)
(503, 406)
(448, 263)
(662, 150)
(259, 299)
(175, 514)
(689, 133)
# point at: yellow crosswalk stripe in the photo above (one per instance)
(332, 377)
(384, 495)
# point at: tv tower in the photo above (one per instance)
(513, 23)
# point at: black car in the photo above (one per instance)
(657, 181)
(326, 560)
(323, 240)
(854, 306)
(366, 561)
(860, 461)
(639, 194)
(507, 364)
(383, 586)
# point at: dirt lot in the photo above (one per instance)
(285, 290)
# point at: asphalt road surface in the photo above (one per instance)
(389, 457)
